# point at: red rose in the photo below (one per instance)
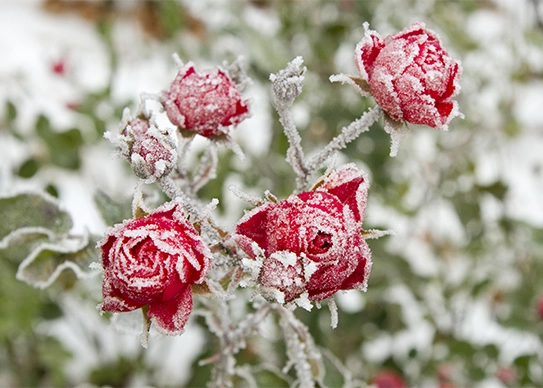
(207, 103)
(540, 307)
(312, 241)
(410, 75)
(152, 153)
(153, 261)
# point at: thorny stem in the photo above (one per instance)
(231, 340)
(295, 153)
(347, 135)
(169, 187)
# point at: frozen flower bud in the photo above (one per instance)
(153, 261)
(152, 152)
(410, 75)
(540, 308)
(312, 241)
(208, 103)
(287, 83)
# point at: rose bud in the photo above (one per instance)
(153, 261)
(151, 152)
(311, 242)
(410, 75)
(207, 103)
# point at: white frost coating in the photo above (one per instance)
(303, 301)
(333, 312)
(397, 131)
(287, 83)
(68, 245)
(285, 257)
(17, 234)
(359, 84)
(348, 134)
(252, 199)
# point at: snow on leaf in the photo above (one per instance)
(28, 212)
(358, 83)
(47, 261)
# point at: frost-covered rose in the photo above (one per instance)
(207, 103)
(311, 242)
(151, 152)
(540, 307)
(410, 75)
(153, 261)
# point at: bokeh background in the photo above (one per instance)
(455, 298)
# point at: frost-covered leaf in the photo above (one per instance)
(31, 212)
(45, 263)
(358, 83)
(20, 245)
(397, 131)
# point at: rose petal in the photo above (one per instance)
(350, 185)
(171, 316)
(253, 226)
(367, 51)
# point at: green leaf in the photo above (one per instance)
(30, 213)
(20, 245)
(63, 146)
(498, 189)
(11, 112)
(43, 266)
(112, 212)
(28, 169)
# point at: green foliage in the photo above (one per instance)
(35, 211)
(113, 212)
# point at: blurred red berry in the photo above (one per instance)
(388, 379)
(59, 66)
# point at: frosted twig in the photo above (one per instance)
(231, 341)
(252, 199)
(184, 147)
(207, 169)
(171, 190)
(301, 349)
(287, 85)
(333, 312)
(345, 373)
(347, 135)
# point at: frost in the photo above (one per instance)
(397, 131)
(252, 199)
(333, 312)
(358, 83)
(49, 259)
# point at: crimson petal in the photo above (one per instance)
(171, 316)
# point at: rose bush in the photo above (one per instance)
(207, 103)
(153, 261)
(311, 242)
(410, 75)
